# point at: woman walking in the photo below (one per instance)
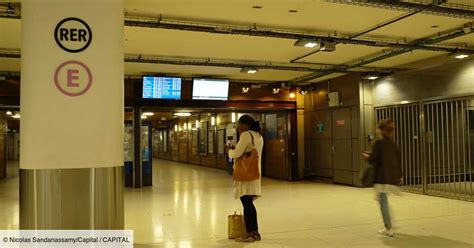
(386, 159)
(248, 191)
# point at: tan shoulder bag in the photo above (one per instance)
(246, 167)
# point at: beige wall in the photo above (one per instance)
(454, 79)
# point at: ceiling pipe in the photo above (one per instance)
(134, 21)
(443, 9)
(365, 31)
(272, 33)
(384, 55)
(151, 59)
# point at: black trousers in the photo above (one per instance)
(250, 213)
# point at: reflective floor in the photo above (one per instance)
(188, 207)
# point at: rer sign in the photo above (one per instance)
(73, 35)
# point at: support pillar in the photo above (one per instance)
(71, 174)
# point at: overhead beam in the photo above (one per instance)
(191, 61)
(282, 34)
(217, 28)
(443, 9)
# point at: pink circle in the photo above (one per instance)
(56, 80)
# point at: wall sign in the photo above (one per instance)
(340, 122)
(73, 35)
(319, 128)
(73, 78)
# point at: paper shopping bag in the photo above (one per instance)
(236, 226)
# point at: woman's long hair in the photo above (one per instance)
(249, 121)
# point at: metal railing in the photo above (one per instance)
(436, 140)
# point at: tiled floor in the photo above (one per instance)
(188, 207)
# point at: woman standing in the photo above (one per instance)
(250, 138)
(386, 159)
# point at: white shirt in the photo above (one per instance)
(245, 145)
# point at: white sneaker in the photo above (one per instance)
(386, 232)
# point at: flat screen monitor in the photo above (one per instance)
(210, 89)
(161, 87)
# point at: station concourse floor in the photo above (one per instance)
(188, 207)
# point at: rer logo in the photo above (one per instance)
(73, 35)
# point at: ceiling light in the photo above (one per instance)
(245, 90)
(371, 76)
(143, 116)
(147, 114)
(306, 43)
(304, 92)
(461, 56)
(249, 70)
(16, 116)
(292, 95)
(9, 113)
(276, 91)
(182, 114)
(404, 102)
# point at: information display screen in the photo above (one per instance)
(210, 89)
(161, 87)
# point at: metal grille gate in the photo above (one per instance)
(436, 140)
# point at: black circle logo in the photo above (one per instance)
(73, 35)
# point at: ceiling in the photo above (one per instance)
(304, 16)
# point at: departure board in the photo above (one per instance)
(162, 87)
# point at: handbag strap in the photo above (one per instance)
(253, 143)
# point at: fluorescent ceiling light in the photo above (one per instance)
(182, 114)
(249, 70)
(461, 56)
(147, 114)
(306, 43)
